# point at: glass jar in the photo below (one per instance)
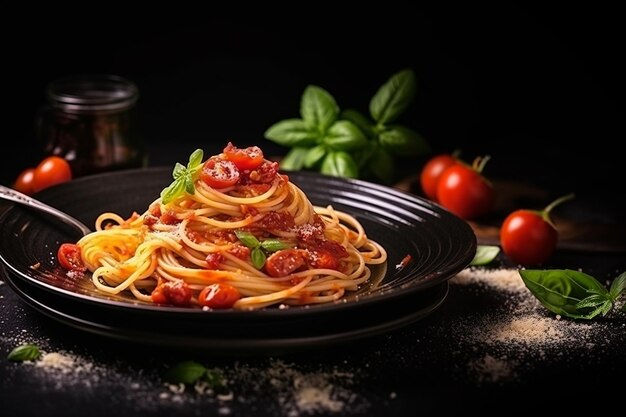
(88, 120)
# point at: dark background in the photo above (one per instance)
(539, 89)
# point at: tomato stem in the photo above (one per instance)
(480, 162)
(545, 213)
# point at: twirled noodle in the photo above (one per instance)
(138, 253)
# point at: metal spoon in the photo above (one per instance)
(17, 197)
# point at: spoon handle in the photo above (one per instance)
(17, 197)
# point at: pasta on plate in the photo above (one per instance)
(229, 232)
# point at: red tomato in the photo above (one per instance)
(52, 170)
(25, 182)
(172, 292)
(284, 262)
(528, 237)
(219, 173)
(465, 192)
(431, 173)
(248, 158)
(213, 260)
(69, 257)
(218, 296)
(323, 259)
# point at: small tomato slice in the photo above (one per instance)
(219, 173)
(177, 293)
(284, 262)
(25, 182)
(51, 171)
(248, 158)
(69, 257)
(218, 296)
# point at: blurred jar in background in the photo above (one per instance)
(89, 121)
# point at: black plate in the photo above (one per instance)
(439, 243)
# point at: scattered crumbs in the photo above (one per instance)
(519, 331)
(503, 279)
(393, 395)
(36, 266)
(491, 369)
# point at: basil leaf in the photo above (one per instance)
(361, 121)
(26, 352)
(189, 186)
(292, 132)
(195, 158)
(403, 141)
(213, 378)
(187, 372)
(294, 160)
(607, 307)
(318, 108)
(247, 239)
(381, 165)
(173, 191)
(560, 290)
(258, 257)
(485, 254)
(339, 164)
(364, 155)
(314, 155)
(344, 136)
(617, 286)
(273, 245)
(591, 301)
(179, 170)
(393, 97)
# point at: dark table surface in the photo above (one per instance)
(450, 361)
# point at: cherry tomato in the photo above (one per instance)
(25, 182)
(177, 293)
(465, 192)
(219, 173)
(69, 257)
(218, 296)
(248, 158)
(323, 259)
(431, 173)
(528, 237)
(52, 170)
(284, 262)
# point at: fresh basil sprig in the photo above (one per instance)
(319, 138)
(189, 372)
(349, 144)
(258, 249)
(183, 178)
(571, 293)
(485, 254)
(26, 352)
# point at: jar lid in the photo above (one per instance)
(92, 93)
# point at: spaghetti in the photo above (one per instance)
(229, 232)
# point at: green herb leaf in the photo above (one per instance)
(617, 286)
(393, 97)
(179, 170)
(26, 352)
(258, 257)
(293, 133)
(294, 160)
(381, 165)
(560, 290)
(607, 307)
(318, 108)
(361, 121)
(187, 372)
(183, 178)
(273, 245)
(485, 254)
(213, 378)
(591, 301)
(403, 141)
(247, 239)
(344, 136)
(314, 156)
(340, 164)
(195, 159)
